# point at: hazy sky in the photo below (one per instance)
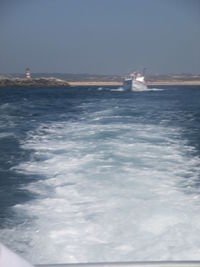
(100, 36)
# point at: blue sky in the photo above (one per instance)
(100, 36)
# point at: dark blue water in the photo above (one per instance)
(80, 166)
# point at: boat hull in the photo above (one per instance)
(133, 85)
(138, 86)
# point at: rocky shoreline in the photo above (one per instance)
(34, 82)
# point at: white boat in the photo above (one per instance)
(135, 82)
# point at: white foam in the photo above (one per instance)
(107, 192)
(155, 89)
(120, 89)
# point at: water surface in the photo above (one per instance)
(98, 174)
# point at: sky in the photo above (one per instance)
(100, 36)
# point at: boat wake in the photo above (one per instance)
(118, 189)
(111, 177)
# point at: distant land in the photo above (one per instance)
(67, 79)
(34, 82)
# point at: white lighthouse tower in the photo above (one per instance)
(28, 74)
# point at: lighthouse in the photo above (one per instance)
(28, 74)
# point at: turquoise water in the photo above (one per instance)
(99, 174)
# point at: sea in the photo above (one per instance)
(98, 174)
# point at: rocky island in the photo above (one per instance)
(33, 82)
